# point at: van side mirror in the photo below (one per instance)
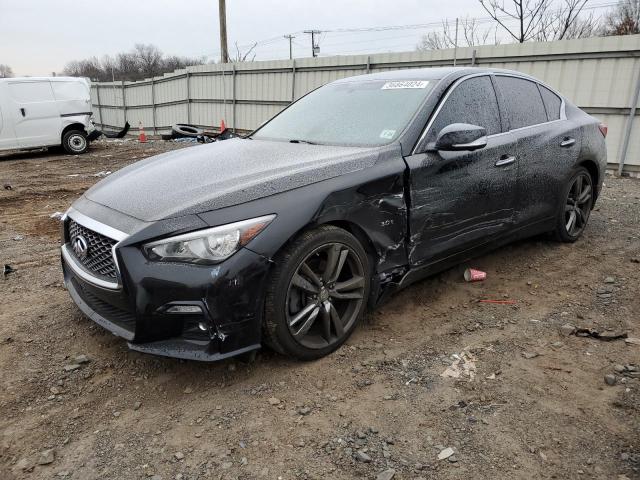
(461, 137)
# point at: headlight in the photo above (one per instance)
(212, 245)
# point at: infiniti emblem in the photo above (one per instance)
(80, 246)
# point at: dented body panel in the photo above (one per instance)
(415, 211)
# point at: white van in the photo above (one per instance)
(45, 112)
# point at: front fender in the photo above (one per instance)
(372, 199)
(83, 119)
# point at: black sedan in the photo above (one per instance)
(356, 190)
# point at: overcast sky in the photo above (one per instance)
(38, 37)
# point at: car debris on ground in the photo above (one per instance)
(7, 269)
(463, 365)
(186, 133)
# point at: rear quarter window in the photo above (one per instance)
(31, 92)
(552, 103)
(522, 101)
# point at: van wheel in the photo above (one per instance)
(75, 142)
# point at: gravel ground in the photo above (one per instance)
(531, 400)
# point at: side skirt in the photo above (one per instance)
(415, 274)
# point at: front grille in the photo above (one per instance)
(99, 257)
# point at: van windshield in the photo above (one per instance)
(364, 113)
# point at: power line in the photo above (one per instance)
(430, 26)
(418, 26)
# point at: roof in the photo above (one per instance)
(52, 79)
(430, 73)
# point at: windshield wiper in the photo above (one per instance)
(302, 141)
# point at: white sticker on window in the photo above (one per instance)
(405, 84)
(388, 134)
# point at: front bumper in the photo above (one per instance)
(230, 296)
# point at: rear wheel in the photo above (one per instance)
(317, 294)
(574, 214)
(75, 142)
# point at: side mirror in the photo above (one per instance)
(461, 137)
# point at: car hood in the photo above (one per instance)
(222, 174)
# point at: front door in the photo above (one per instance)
(459, 200)
(35, 113)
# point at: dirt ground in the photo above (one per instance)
(530, 402)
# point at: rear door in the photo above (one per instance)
(460, 200)
(547, 145)
(73, 97)
(34, 112)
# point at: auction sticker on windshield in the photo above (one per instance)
(405, 84)
(388, 134)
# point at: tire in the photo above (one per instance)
(184, 130)
(334, 299)
(575, 209)
(75, 142)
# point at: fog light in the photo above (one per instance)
(184, 309)
(203, 326)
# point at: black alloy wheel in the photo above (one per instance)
(325, 295)
(319, 292)
(576, 208)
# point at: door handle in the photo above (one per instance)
(567, 142)
(22, 111)
(505, 160)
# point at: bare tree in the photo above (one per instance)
(148, 59)
(469, 35)
(624, 20)
(142, 62)
(242, 57)
(542, 20)
(5, 71)
(566, 23)
(528, 14)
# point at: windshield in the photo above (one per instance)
(366, 113)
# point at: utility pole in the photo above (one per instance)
(222, 13)
(455, 47)
(315, 49)
(290, 37)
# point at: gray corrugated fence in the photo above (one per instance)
(601, 75)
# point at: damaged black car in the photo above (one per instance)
(286, 237)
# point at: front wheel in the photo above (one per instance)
(317, 294)
(75, 142)
(574, 213)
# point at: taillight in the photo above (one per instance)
(603, 129)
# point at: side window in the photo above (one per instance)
(523, 101)
(472, 101)
(31, 92)
(551, 102)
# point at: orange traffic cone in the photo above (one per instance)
(223, 127)
(142, 138)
